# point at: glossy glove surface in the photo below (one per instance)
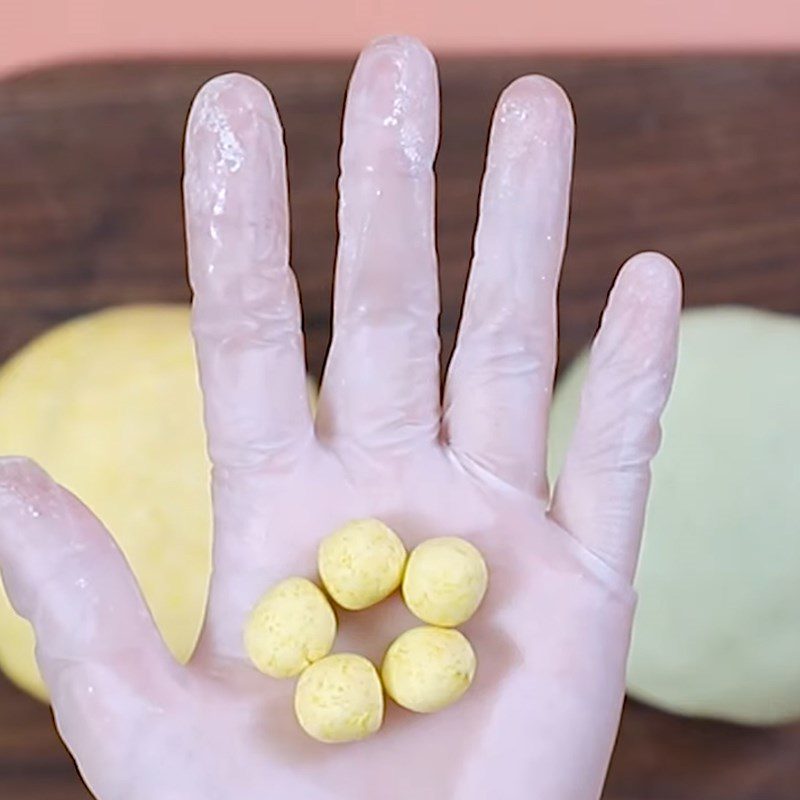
(552, 635)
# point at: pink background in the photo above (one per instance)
(37, 31)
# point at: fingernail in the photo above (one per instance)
(651, 279)
(233, 154)
(20, 471)
(25, 488)
(533, 113)
(228, 126)
(394, 95)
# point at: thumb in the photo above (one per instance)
(97, 645)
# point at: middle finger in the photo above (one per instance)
(381, 383)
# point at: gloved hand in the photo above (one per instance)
(552, 635)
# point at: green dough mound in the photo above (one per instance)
(717, 631)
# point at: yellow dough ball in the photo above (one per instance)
(109, 405)
(427, 669)
(292, 626)
(339, 699)
(361, 563)
(445, 581)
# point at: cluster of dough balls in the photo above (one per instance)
(340, 697)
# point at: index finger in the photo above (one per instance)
(246, 310)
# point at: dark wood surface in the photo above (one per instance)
(699, 157)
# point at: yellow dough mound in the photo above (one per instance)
(110, 406)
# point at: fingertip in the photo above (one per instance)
(651, 278)
(13, 465)
(538, 90)
(21, 478)
(232, 91)
(234, 182)
(406, 47)
(227, 111)
(30, 500)
(404, 58)
(393, 105)
(535, 102)
(652, 265)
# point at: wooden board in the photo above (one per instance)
(699, 157)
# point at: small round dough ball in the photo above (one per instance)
(427, 669)
(361, 563)
(340, 699)
(445, 581)
(292, 626)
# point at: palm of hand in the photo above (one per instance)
(551, 637)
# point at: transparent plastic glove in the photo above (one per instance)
(552, 636)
